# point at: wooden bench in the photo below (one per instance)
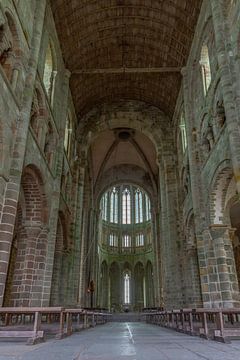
(218, 324)
(35, 319)
(89, 319)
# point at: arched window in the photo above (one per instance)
(126, 240)
(183, 132)
(139, 240)
(126, 206)
(113, 240)
(148, 208)
(49, 72)
(68, 138)
(205, 67)
(114, 206)
(104, 206)
(126, 288)
(138, 206)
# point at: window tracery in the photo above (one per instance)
(49, 73)
(183, 132)
(125, 204)
(205, 68)
(126, 288)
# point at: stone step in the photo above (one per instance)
(126, 317)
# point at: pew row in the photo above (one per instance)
(217, 324)
(36, 322)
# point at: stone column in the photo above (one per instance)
(83, 269)
(223, 281)
(228, 83)
(169, 232)
(13, 186)
(196, 185)
(192, 278)
(157, 273)
(78, 226)
(55, 200)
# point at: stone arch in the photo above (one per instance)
(31, 242)
(219, 186)
(34, 195)
(10, 48)
(137, 115)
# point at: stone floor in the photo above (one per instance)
(122, 341)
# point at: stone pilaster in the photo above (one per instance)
(56, 191)
(13, 185)
(195, 181)
(223, 282)
(157, 266)
(169, 232)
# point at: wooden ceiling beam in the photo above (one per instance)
(125, 70)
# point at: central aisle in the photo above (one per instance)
(124, 341)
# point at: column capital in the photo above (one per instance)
(67, 73)
(184, 71)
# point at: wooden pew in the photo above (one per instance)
(218, 324)
(90, 319)
(34, 315)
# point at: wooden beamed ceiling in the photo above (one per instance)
(129, 49)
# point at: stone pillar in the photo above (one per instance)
(223, 281)
(157, 273)
(13, 186)
(196, 185)
(56, 191)
(169, 233)
(192, 278)
(228, 83)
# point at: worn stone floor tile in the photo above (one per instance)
(123, 341)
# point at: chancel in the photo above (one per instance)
(119, 177)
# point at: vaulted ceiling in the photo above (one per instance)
(129, 49)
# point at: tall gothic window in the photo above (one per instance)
(205, 67)
(148, 208)
(113, 240)
(126, 206)
(49, 72)
(126, 288)
(183, 132)
(126, 240)
(138, 206)
(139, 240)
(114, 206)
(104, 206)
(68, 135)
